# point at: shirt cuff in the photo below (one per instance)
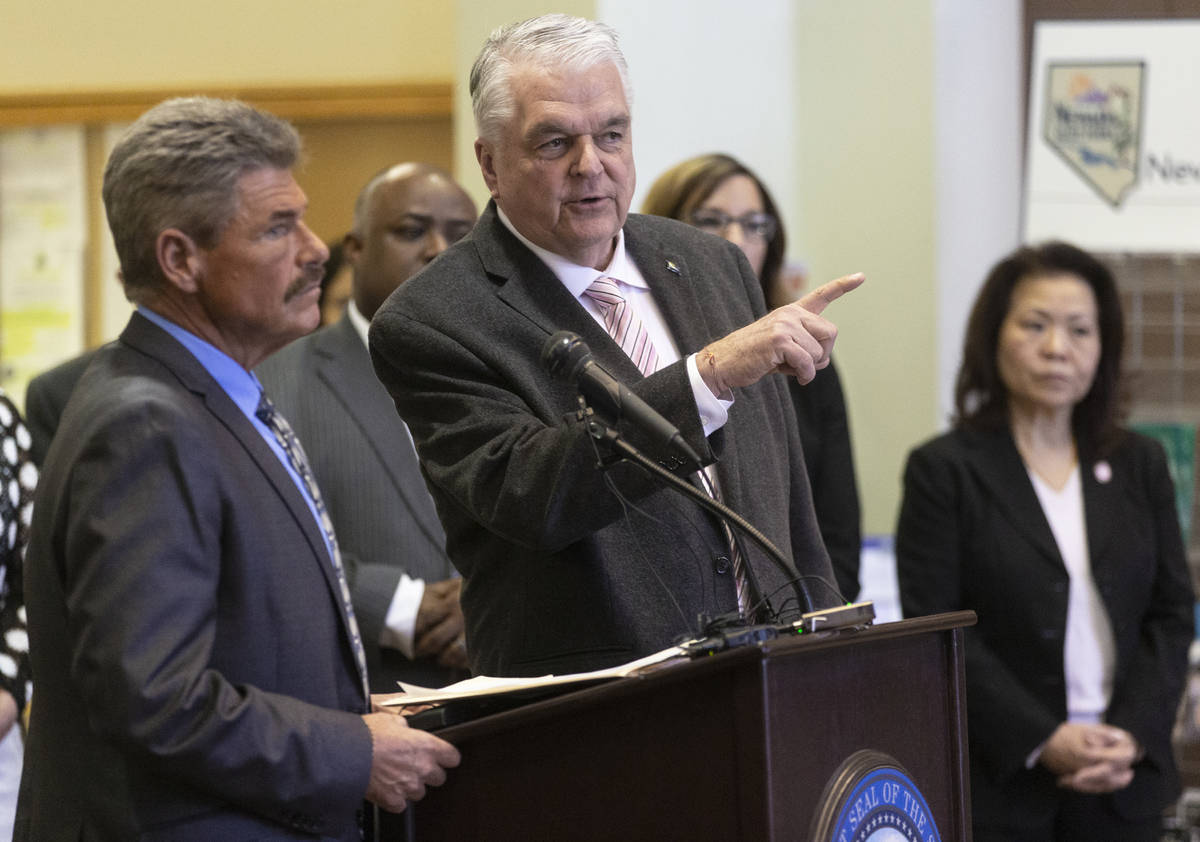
(714, 411)
(400, 625)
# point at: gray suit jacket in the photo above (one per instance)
(195, 677)
(364, 462)
(560, 575)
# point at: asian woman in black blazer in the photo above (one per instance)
(1058, 527)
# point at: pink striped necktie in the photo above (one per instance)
(741, 581)
(623, 324)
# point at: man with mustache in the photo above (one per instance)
(200, 672)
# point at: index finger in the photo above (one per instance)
(826, 294)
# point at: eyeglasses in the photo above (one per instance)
(761, 226)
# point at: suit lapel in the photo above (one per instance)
(1102, 509)
(146, 337)
(524, 283)
(672, 283)
(676, 286)
(998, 467)
(527, 285)
(343, 364)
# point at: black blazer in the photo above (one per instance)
(559, 577)
(46, 396)
(370, 480)
(829, 461)
(972, 534)
(195, 678)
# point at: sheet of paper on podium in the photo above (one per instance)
(482, 685)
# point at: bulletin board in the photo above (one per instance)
(349, 133)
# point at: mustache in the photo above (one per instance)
(311, 276)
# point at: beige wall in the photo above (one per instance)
(864, 81)
(70, 44)
(343, 155)
(862, 103)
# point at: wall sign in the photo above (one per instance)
(1113, 144)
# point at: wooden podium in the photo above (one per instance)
(736, 746)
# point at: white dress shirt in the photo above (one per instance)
(1089, 651)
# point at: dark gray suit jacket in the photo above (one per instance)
(370, 479)
(195, 677)
(559, 577)
(972, 534)
(45, 398)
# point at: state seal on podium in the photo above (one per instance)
(871, 798)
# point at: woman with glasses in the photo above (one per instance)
(717, 193)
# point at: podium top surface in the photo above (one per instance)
(524, 713)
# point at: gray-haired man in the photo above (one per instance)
(560, 573)
(199, 671)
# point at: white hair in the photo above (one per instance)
(549, 41)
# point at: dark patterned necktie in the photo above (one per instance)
(299, 461)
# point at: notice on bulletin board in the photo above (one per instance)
(1113, 145)
(42, 239)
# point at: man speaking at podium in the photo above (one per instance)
(568, 567)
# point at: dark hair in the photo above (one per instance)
(685, 186)
(178, 166)
(980, 399)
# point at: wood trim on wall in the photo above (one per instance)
(309, 102)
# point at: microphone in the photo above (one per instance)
(567, 357)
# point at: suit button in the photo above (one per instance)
(1060, 587)
(1049, 634)
(722, 564)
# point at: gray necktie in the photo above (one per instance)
(299, 461)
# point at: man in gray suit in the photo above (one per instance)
(401, 580)
(198, 668)
(566, 567)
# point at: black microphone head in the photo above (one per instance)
(564, 355)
